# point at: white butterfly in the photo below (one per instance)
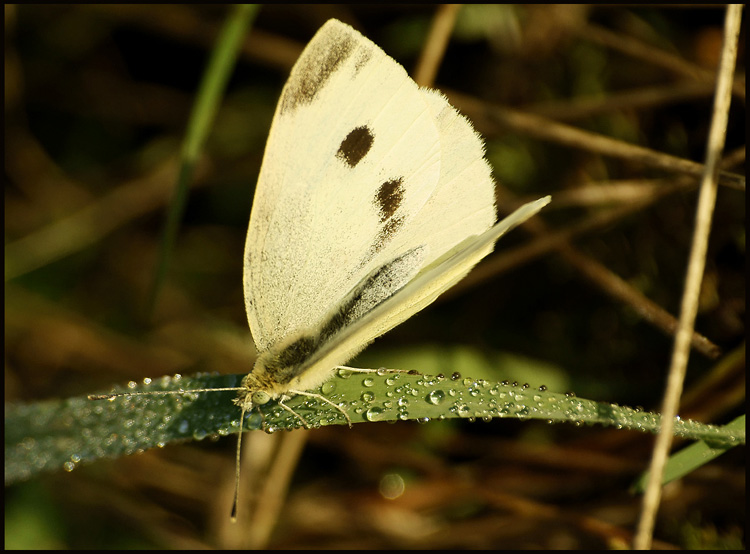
(373, 198)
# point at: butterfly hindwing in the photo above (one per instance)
(419, 292)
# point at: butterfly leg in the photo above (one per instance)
(288, 409)
(324, 399)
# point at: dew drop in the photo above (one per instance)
(199, 434)
(374, 414)
(436, 397)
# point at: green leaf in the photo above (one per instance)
(207, 102)
(60, 434)
(692, 457)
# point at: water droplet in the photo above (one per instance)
(199, 434)
(455, 376)
(374, 414)
(328, 387)
(368, 382)
(436, 397)
(367, 397)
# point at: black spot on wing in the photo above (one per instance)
(318, 62)
(355, 146)
(389, 229)
(389, 198)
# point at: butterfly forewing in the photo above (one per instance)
(353, 154)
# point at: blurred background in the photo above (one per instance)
(97, 100)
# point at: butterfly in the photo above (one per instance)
(373, 198)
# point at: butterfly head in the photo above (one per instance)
(254, 392)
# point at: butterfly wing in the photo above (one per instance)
(402, 303)
(361, 165)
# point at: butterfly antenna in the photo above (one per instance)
(114, 395)
(237, 469)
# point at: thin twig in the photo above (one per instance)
(547, 129)
(696, 266)
(653, 55)
(435, 45)
(601, 276)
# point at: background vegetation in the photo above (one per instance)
(97, 102)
